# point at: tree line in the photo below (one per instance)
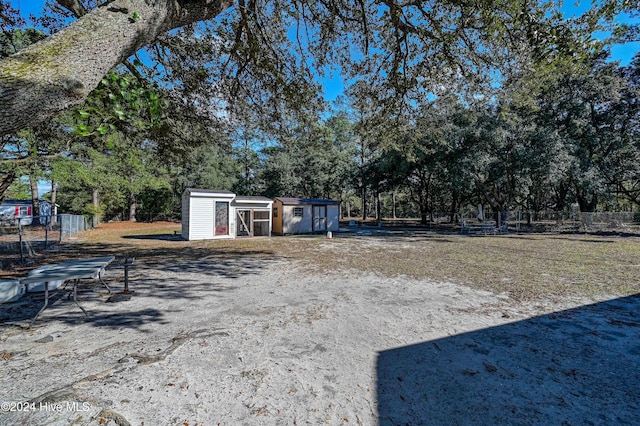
(510, 106)
(575, 143)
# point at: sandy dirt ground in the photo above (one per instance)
(266, 342)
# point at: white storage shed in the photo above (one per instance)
(212, 214)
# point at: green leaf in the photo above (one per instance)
(135, 16)
(120, 113)
(83, 130)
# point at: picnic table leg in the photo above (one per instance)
(102, 281)
(126, 278)
(75, 299)
(46, 302)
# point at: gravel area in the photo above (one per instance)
(228, 335)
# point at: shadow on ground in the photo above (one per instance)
(61, 307)
(396, 234)
(228, 261)
(579, 366)
(161, 237)
(185, 274)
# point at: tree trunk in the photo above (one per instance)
(424, 207)
(247, 168)
(454, 208)
(6, 179)
(54, 196)
(60, 71)
(423, 217)
(587, 202)
(133, 205)
(364, 203)
(35, 200)
(95, 198)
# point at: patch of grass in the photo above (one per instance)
(527, 267)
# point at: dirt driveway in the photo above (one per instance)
(368, 328)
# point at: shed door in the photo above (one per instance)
(243, 225)
(261, 223)
(319, 218)
(222, 218)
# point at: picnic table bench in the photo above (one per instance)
(483, 228)
(71, 270)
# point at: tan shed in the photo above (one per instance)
(305, 215)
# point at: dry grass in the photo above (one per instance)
(527, 267)
(524, 266)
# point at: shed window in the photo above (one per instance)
(222, 218)
(297, 211)
(275, 212)
(261, 215)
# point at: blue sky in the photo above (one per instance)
(333, 84)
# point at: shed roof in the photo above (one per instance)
(16, 202)
(209, 191)
(24, 202)
(298, 201)
(252, 199)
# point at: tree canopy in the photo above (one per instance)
(267, 53)
(510, 104)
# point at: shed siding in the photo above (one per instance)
(185, 216)
(297, 225)
(277, 219)
(232, 221)
(333, 217)
(201, 218)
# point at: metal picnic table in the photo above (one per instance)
(71, 270)
(483, 228)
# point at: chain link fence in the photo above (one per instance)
(71, 224)
(518, 221)
(575, 221)
(22, 239)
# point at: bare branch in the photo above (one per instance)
(73, 6)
